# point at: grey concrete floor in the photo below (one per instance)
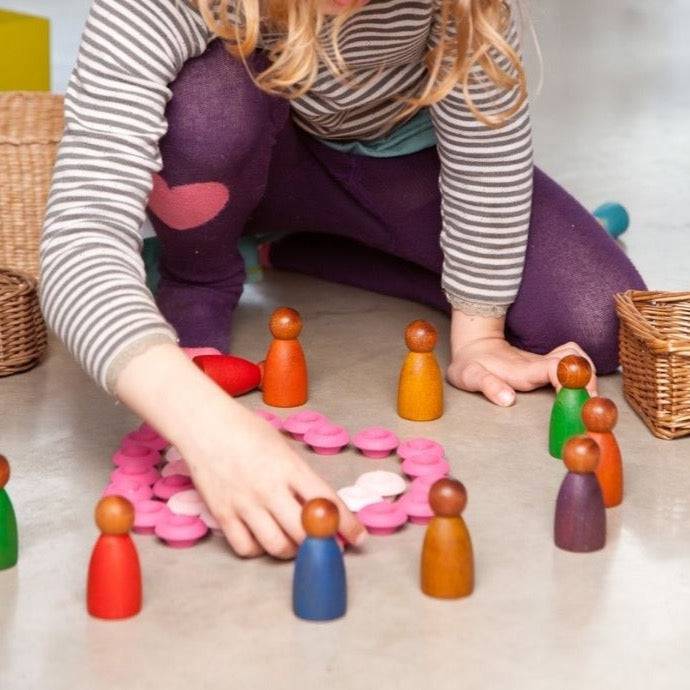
(609, 124)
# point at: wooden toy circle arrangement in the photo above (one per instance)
(151, 492)
(161, 500)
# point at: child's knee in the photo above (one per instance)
(217, 114)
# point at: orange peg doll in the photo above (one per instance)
(447, 570)
(420, 389)
(600, 416)
(114, 581)
(285, 368)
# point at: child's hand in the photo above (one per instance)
(497, 369)
(252, 481)
(254, 484)
(483, 361)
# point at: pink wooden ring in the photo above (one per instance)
(427, 463)
(299, 423)
(136, 470)
(131, 490)
(327, 438)
(147, 514)
(419, 445)
(422, 484)
(417, 507)
(176, 467)
(180, 531)
(172, 454)
(135, 451)
(187, 502)
(273, 419)
(146, 435)
(382, 518)
(166, 487)
(376, 442)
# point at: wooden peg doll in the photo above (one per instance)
(9, 541)
(600, 416)
(319, 588)
(580, 523)
(447, 568)
(285, 368)
(420, 388)
(114, 580)
(574, 374)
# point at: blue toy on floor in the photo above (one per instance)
(613, 218)
(319, 590)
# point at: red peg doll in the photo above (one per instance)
(600, 416)
(114, 580)
(285, 369)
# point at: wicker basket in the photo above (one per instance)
(655, 354)
(31, 125)
(22, 329)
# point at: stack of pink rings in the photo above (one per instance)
(299, 423)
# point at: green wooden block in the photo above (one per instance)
(24, 52)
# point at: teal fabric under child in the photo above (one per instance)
(414, 135)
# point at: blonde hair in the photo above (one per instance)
(468, 52)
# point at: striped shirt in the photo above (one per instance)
(93, 287)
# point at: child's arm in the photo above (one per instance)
(486, 185)
(252, 481)
(93, 289)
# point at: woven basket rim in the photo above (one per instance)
(626, 308)
(22, 285)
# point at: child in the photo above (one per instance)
(370, 130)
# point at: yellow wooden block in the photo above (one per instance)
(24, 52)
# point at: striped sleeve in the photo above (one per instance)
(486, 187)
(93, 290)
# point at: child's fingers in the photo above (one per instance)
(476, 377)
(309, 486)
(269, 534)
(287, 511)
(572, 348)
(240, 539)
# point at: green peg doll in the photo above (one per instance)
(574, 373)
(8, 521)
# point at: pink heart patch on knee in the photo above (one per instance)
(187, 206)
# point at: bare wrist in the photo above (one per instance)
(468, 328)
(167, 390)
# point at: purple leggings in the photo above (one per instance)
(373, 223)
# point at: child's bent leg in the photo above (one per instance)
(342, 260)
(216, 156)
(572, 270)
